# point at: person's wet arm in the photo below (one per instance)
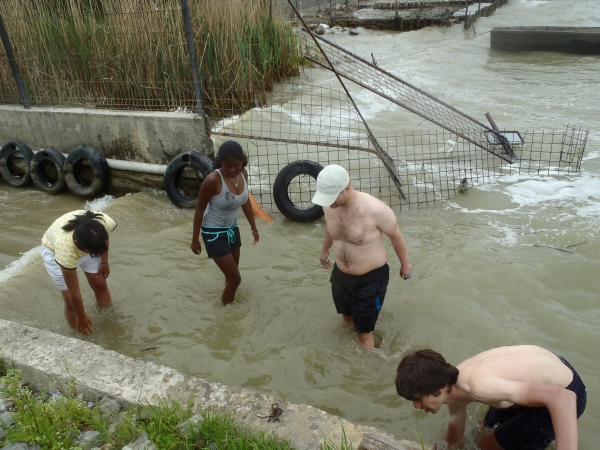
(386, 222)
(247, 208)
(327, 243)
(84, 323)
(456, 425)
(206, 192)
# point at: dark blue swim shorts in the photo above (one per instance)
(526, 428)
(360, 296)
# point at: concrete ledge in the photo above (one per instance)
(150, 137)
(47, 359)
(578, 40)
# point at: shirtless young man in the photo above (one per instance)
(534, 395)
(355, 223)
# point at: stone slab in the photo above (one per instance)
(51, 360)
(149, 137)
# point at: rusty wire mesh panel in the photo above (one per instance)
(300, 113)
(552, 152)
(317, 123)
(433, 166)
(387, 85)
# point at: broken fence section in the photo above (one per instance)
(318, 123)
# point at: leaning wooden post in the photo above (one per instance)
(13, 65)
(191, 45)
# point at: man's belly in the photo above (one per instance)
(358, 260)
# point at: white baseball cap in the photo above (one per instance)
(331, 181)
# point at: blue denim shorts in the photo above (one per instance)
(526, 428)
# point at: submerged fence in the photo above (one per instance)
(136, 54)
(320, 124)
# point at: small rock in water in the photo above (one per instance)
(353, 33)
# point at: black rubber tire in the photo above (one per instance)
(6, 169)
(99, 166)
(38, 175)
(173, 177)
(281, 195)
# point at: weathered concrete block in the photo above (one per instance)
(47, 359)
(150, 137)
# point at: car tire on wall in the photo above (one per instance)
(173, 177)
(39, 171)
(281, 194)
(94, 184)
(6, 166)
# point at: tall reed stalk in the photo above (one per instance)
(132, 54)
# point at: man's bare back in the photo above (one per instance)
(522, 363)
(534, 396)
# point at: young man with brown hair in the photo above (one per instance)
(534, 395)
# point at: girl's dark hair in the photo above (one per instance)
(424, 373)
(230, 149)
(91, 236)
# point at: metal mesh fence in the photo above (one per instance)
(132, 54)
(387, 85)
(103, 55)
(433, 165)
(316, 123)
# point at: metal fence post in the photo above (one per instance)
(13, 65)
(189, 36)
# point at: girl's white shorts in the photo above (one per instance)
(88, 264)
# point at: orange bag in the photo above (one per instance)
(258, 210)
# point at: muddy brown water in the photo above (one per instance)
(490, 269)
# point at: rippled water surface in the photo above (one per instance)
(487, 269)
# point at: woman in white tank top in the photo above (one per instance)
(221, 195)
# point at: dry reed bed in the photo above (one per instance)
(132, 54)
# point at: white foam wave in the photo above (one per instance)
(507, 235)
(17, 266)
(583, 191)
(99, 204)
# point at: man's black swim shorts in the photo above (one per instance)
(360, 296)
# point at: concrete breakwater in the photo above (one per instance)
(405, 16)
(578, 40)
(48, 360)
(145, 137)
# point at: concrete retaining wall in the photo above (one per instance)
(578, 40)
(51, 360)
(150, 137)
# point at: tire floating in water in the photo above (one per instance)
(173, 175)
(46, 171)
(7, 167)
(86, 171)
(290, 200)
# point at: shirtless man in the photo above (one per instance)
(534, 395)
(355, 223)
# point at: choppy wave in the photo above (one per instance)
(99, 204)
(17, 266)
